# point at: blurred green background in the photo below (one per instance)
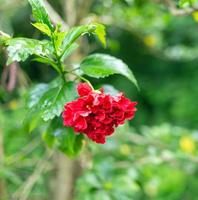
(155, 156)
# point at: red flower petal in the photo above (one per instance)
(84, 89)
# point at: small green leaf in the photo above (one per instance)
(73, 35)
(70, 139)
(59, 36)
(69, 51)
(43, 28)
(4, 38)
(32, 120)
(53, 130)
(35, 122)
(101, 33)
(48, 61)
(76, 32)
(49, 138)
(40, 14)
(102, 65)
(78, 143)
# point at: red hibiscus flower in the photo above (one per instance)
(96, 114)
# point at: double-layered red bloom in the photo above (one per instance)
(96, 114)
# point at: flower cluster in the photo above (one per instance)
(96, 114)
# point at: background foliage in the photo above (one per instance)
(155, 155)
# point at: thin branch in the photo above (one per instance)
(24, 152)
(179, 12)
(9, 75)
(24, 191)
(12, 76)
(85, 7)
(4, 34)
(70, 11)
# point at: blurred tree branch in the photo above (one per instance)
(67, 171)
(12, 159)
(179, 12)
(9, 74)
(85, 7)
(69, 7)
(41, 167)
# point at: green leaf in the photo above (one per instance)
(36, 93)
(63, 138)
(49, 100)
(70, 139)
(76, 32)
(40, 14)
(59, 36)
(69, 51)
(48, 61)
(43, 28)
(49, 138)
(32, 120)
(70, 143)
(52, 132)
(101, 33)
(78, 143)
(46, 101)
(19, 49)
(55, 99)
(72, 36)
(4, 38)
(102, 65)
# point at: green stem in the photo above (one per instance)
(73, 69)
(68, 45)
(58, 59)
(80, 77)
